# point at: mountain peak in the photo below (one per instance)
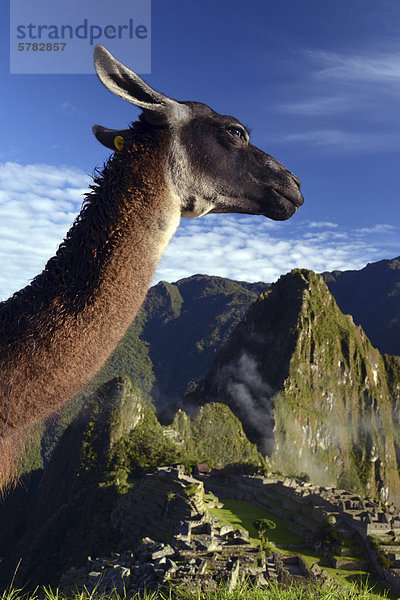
(309, 388)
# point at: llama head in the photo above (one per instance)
(211, 166)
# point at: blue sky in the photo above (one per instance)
(317, 82)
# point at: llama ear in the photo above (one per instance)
(123, 82)
(111, 138)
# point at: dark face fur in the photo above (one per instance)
(235, 175)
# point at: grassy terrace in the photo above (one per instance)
(243, 514)
(306, 510)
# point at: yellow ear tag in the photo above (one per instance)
(119, 142)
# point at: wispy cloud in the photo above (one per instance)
(69, 109)
(347, 141)
(351, 99)
(378, 67)
(378, 228)
(319, 224)
(321, 105)
(323, 236)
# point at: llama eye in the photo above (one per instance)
(237, 131)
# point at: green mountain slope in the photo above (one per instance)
(186, 324)
(309, 388)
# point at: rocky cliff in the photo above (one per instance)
(310, 389)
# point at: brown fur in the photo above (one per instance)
(57, 332)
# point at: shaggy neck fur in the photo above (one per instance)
(57, 332)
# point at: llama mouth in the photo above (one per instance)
(295, 198)
(284, 205)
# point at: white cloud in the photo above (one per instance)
(38, 204)
(319, 224)
(325, 236)
(250, 250)
(378, 228)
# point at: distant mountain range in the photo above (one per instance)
(182, 326)
(372, 297)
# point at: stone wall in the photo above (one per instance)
(155, 506)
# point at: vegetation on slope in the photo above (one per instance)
(215, 435)
(338, 399)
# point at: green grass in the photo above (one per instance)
(361, 579)
(242, 514)
(345, 577)
(244, 592)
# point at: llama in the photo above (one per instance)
(181, 159)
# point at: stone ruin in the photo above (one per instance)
(168, 534)
(199, 554)
(305, 507)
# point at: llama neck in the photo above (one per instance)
(68, 321)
